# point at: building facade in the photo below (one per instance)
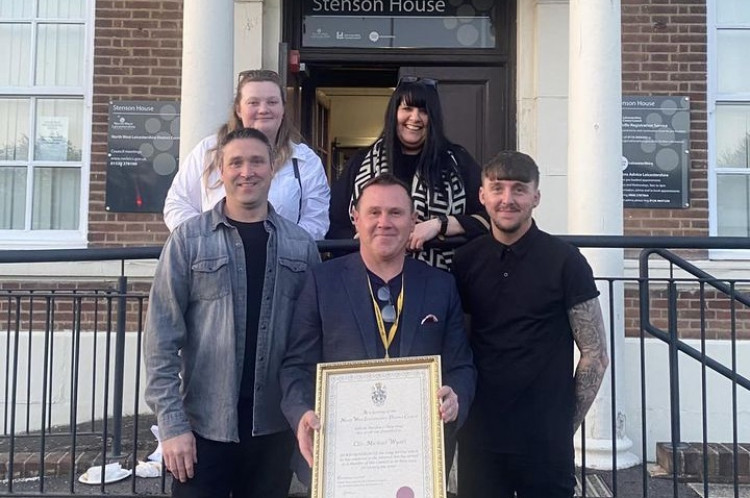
(66, 61)
(547, 77)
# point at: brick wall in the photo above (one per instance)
(713, 316)
(664, 53)
(137, 56)
(84, 305)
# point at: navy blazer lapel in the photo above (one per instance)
(415, 286)
(355, 283)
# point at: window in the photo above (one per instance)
(45, 121)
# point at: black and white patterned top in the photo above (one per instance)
(459, 195)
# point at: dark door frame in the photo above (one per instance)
(503, 55)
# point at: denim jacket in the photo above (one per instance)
(196, 325)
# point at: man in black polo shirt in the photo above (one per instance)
(530, 296)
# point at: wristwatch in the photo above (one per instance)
(443, 224)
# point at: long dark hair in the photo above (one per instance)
(418, 94)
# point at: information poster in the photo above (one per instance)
(656, 152)
(52, 138)
(144, 145)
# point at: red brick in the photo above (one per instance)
(138, 45)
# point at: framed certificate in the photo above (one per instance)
(381, 434)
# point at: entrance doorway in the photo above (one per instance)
(341, 107)
(351, 59)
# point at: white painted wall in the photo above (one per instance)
(272, 19)
(248, 35)
(629, 399)
(257, 33)
(542, 102)
(90, 394)
(718, 392)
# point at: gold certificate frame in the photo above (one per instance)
(381, 434)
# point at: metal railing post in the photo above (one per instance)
(674, 386)
(674, 379)
(122, 288)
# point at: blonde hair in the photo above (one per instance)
(285, 137)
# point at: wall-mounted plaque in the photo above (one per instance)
(656, 152)
(398, 24)
(144, 145)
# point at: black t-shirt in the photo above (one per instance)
(406, 166)
(518, 297)
(254, 240)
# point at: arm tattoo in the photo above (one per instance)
(590, 337)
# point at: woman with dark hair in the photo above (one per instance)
(443, 177)
(299, 189)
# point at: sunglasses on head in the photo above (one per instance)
(416, 79)
(258, 74)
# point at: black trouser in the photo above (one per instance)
(485, 474)
(450, 449)
(256, 467)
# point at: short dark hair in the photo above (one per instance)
(384, 180)
(243, 133)
(511, 165)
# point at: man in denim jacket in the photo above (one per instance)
(216, 330)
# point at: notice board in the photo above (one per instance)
(143, 154)
(656, 152)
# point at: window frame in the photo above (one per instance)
(713, 100)
(28, 238)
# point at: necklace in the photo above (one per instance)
(387, 338)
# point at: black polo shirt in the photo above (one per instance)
(518, 297)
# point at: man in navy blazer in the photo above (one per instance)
(373, 304)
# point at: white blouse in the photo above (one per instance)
(188, 196)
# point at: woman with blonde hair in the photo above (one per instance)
(299, 190)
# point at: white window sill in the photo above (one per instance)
(42, 239)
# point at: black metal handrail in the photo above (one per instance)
(676, 345)
(700, 276)
(589, 241)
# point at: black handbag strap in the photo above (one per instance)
(299, 181)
